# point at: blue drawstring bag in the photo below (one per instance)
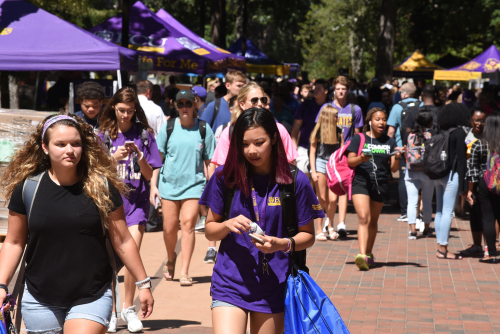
(3, 324)
(308, 310)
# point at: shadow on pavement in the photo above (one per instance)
(394, 264)
(199, 280)
(168, 323)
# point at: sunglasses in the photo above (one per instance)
(181, 105)
(255, 100)
(128, 112)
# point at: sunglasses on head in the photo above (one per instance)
(181, 105)
(255, 100)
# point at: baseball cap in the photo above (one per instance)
(184, 94)
(468, 98)
(199, 91)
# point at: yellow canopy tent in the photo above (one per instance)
(416, 66)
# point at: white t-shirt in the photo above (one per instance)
(153, 112)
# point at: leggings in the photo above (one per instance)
(476, 217)
(490, 207)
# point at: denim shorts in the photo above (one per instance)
(321, 165)
(46, 319)
(220, 303)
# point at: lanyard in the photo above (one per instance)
(255, 208)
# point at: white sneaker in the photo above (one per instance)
(112, 323)
(327, 222)
(134, 325)
(420, 225)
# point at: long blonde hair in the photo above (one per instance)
(327, 124)
(242, 97)
(95, 165)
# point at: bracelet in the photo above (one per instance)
(148, 279)
(144, 284)
(288, 247)
(3, 286)
(142, 156)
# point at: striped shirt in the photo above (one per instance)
(476, 164)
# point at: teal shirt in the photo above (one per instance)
(182, 175)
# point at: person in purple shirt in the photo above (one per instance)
(121, 126)
(305, 121)
(241, 285)
(349, 127)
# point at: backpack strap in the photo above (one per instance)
(228, 202)
(231, 128)
(170, 129)
(216, 111)
(107, 140)
(202, 127)
(144, 134)
(403, 104)
(30, 188)
(353, 113)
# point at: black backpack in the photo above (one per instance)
(288, 214)
(202, 127)
(404, 114)
(216, 111)
(434, 167)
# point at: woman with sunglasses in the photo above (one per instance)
(251, 95)
(122, 124)
(182, 181)
(370, 189)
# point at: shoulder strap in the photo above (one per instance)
(353, 112)
(216, 111)
(403, 104)
(231, 128)
(228, 202)
(144, 133)
(224, 126)
(170, 129)
(107, 140)
(202, 127)
(30, 188)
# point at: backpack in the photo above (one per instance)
(434, 167)
(30, 188)
(288, 214)
(492, 173)
(339, 174)
(202, 127)
(353, 112)
(404, 114)
(216, 111)
(415, 153)
(231, 128)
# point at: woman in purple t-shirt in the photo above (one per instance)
(125, 131)
(249, 277)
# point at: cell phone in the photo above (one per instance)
(256, 238)
(157, 202)
(128, 142)
(366, 151)
(473, 197)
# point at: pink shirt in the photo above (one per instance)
(220, 153)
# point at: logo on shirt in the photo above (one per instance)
(345, 121)
(380, 149)
(317, 207)
(274, 201)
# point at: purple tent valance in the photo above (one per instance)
(486, 62)
(32, 39)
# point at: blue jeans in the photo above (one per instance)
(48, 319)
(413, 180)
(446, 194)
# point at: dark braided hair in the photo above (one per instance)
(422, 122)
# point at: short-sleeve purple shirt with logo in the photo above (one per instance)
(345, 118)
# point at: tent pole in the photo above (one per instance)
(119, 78)
(71, 106)
(36, 89)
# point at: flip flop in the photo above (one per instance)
(169, 273)
(321, 237)
(184, 280)
(332, 234)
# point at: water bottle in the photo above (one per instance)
(443, 156)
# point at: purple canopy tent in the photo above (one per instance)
(162, 46)
(32, 39)
(235, 62)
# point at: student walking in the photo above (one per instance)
(186, 143)
(125, 132)
(379, 158)
(77, 199)
(249, 278)
(325, 139)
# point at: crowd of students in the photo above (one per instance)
(229, 161)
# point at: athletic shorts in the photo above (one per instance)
(377, 194)
(303, 160)
(42, 318)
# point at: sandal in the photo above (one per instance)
(167, 272)
(185, 280)
(445, 256)
(321, 237)
(332, 234)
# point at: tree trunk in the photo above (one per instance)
(4, 89)
(125, 22)
(218, 23)
(385, 45)
(244, 29)
(13, 92)
(356, 48)
(202, 5)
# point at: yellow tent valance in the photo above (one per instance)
(456, 75)
(269, 69)
(417, 62)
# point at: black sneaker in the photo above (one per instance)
(211, 255)
(403, 218)
(426, 234)
(413, 236)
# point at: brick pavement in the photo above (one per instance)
(410, 290)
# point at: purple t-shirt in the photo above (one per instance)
(345, 119)
(136, 203)
(307, 112)
(238, 278)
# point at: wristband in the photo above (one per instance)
(144, 284)
(3, 286)
(142, 156)
(288, 247)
